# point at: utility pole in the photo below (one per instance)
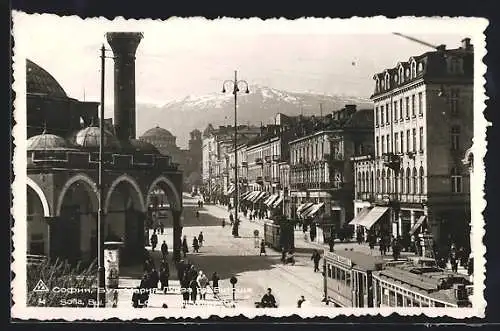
(101, 293)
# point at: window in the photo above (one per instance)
(383, 182)
(383, 145)
(415, 183)
(381, 115)
(387, 116)
(401, 138)
(413, 105)
(395, 110)
(454, 101)
(377, 147)
(407, 141)
(456, 181)
(372, 183)
(455, 138)
(379, 182)
(401, 180)
(421, 139)
(414, 133)
(420, 104)
(400, 109)
(408, 182)
(407, 107)
(388, 138)
(376, 116)
(396, 142)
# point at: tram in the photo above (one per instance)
(279, 236)
(418, 282)
(347, 279)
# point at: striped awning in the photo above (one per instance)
(373, 216)
(302, 206)
(244, 195)
(360, 216)
(314, 209)
(269, 201)
(419, 223)
(305, 210)
(277, 202)
(259, 197)
(251, 195)
(231, 189)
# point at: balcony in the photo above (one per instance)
(402, 197)
(258, 161)
(276, 158)
(365, 196)
(267, 158)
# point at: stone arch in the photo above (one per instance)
(79, 177)
(128, 179)
(41, 195)
(172, 193)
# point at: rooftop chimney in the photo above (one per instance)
(124, 46)
(466, 44)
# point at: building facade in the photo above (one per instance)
(321, 176)
(423, 123)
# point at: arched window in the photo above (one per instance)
(456, 180)
(455, 137)
(422, 180)
(415, 184)
(365, 180)
(408, 182)
(379, 182)
(389, 181)
(401, 180)
(383, 181)
(413, 69)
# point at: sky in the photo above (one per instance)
(181, 57)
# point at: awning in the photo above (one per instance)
(358, 219)
(305, 209)
(231, 189)
(244, 195)
(373, 216)
(277, 202)
(271, 200)
(268, 199)
(314, 209)
(257, 196)
(302, 206)
(260, 196)
(419, 223)
(251, 195)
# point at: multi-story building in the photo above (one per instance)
(423, 119)
(321, 178)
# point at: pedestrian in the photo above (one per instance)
(153, 279)
(140, 296)
(185, 291)
(396, 248)
(164, 250)
(231, 218)
(215, 284)
(198, 215)
(200, 239)
(162, 227)
(184, 246)
(223, 223)
(382, 246)
(315, 258)
(268, 300)
(164, 275)
(262, 248)
(202, 281)
(453, 259)
(196, 245)
(193, 285)
(154, 240)
(331, 242)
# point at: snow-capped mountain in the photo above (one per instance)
(260, 105)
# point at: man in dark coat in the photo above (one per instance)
(268, 300)
(184, 246)
(164, 250)
(316, 257)
(154, 240)
(164, 275)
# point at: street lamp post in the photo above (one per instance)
(234, 85)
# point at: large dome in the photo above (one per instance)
(39, 81)
(47, 141)
(89, 137)
(157, 132)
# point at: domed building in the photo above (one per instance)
(63, 161)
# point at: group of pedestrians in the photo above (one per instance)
(150, 280)
(194, 283)
(197, 244)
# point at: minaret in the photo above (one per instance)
(124, 46)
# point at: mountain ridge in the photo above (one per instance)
(183, 115)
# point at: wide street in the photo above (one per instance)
(229, 256)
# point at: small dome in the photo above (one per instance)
(157, 132)
(89, 137)
(39, 81)
(140, 146)
(46, 141)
